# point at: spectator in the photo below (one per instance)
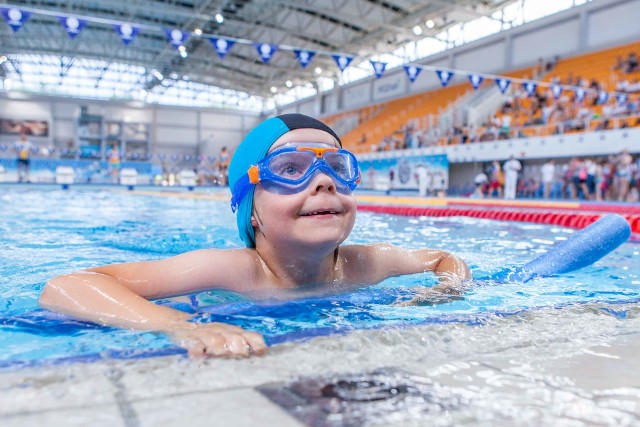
(548, 177)
(511, 169)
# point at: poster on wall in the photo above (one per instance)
(427, 174)
(30, 127)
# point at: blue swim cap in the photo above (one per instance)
(253, 148)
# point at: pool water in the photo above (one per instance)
(47, 232)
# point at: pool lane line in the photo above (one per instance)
(573, 220)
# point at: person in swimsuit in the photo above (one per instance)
(23, 149)
(292, 192)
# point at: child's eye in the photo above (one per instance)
(339, 167)
(289, 170)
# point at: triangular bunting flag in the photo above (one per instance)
(343, 61)
(622, 98)
(176, 37)
(72, 25)
(556, 90)
(378, 68)
(304, 57)
(266, 51)
(530, 88)
(412, 72)
(126, 32)
(221, 46)
(503, 84)
(475, 80)
(580, 94)
(603, 97)
(444, 76)
(15, 17)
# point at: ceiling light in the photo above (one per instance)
(219, 18)
(417, 30)
(174, 76)
(157, 75)
(197, 32)
(183, 53)
(318, 70)
(430, 23)
(181, 48)
(3, 59)
(288, 83)
(274, 89)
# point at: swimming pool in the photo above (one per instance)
(49, 232)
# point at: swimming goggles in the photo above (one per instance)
(289, 170)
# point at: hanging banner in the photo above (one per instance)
(15, 17)
(127, 32)
(343, 61)
(266, 51)
(304, 57)
(503, 84)
(556, 90)
(378, 68)
(412, 72)
(176, 37)
(221, 46)
(475, 80)
(444, 76)
(580, 94)
(72, 25)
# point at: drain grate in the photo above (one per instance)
(383, 396)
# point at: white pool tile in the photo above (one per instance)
(237, 408)
(96, 416)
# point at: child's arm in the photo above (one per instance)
(383, 261)
(116, 295)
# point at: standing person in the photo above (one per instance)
(497, 179)
(422, 177)
(224, 164)
(623, 173)
(511, 169)
(114, 164)
(292, 190)
(23, 149)
(480, 181)
(548, 172)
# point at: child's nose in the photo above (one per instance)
(322, 182)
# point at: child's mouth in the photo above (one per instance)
(320, 213)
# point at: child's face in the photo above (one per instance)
(317, 215)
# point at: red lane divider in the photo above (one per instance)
(631, 208)
(562, 219)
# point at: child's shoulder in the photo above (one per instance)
(368, 251)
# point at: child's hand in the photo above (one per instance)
(431, 296)
(217, 340)
(448, 289)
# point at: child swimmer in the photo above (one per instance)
(292, 189)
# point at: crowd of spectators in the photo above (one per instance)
(612, 178)
(543, 112)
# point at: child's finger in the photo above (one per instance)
(256, 342)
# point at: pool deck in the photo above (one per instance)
(563, 373)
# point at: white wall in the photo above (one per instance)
(172, 129)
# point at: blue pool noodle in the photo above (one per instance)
(580, 250)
